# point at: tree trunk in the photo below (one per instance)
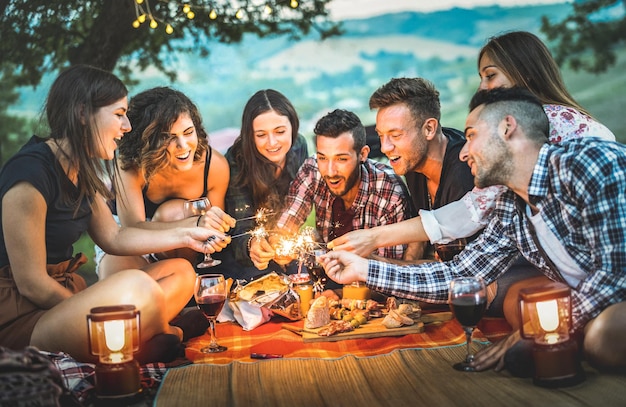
(105, 42)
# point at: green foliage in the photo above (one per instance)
(53, 35)
(12, 127)
(40, 37)
(88, 270)
(587, 30)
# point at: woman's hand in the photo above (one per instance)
(207, 240)
(361, 242)
(344, 267)
(261, 252)
(494, 354)
(216, 219)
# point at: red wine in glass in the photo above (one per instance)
(210, 293)
(446, 252)
(467, 311)
(468, 300)
(211, 304)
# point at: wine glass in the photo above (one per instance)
(210, 295)
(195, 207)
(468, 300)
(447, 251)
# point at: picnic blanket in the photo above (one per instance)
(270, 338)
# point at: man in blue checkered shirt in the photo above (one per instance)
(565, 212)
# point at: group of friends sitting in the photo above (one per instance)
(534, 184)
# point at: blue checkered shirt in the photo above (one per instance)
(579, 188)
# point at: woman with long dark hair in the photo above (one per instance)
(263, 161)
(52, 191)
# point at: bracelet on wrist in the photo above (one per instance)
(249, 243)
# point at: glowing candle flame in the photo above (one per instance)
(548, 312)
(114, 335)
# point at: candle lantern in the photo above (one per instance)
(114, 337)
(545, 313)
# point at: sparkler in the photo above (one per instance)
(260, 219)
(259, 232)
(261, 215)
(288, 248)
(299, 246)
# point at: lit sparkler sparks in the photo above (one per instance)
(261, 215)
(296, 247)
(258, 232)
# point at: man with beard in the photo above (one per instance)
(347, 190)
(564, 211)
(418, 147)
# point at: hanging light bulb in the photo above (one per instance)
(141, 18)
(239, 14)
(191, 15)
(136, 24)
(268, 9)
(153, 23)
(212, 15)
(169, 29)
(186, 8)
(294, 4)
(139, 1)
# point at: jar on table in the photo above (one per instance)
(356, 291)
(303, 286)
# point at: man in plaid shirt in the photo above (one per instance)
(348, 190)
(565, 212)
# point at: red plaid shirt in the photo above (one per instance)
(382, 199)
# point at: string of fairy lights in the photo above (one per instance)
(213, 9)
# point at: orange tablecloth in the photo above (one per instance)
(270, 338)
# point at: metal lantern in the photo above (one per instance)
(114, 337)
(545, 313)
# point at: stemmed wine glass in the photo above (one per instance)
(447, 251)
(195, 207)
(468, 300)
(210, 295)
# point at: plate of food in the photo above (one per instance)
(331, 320)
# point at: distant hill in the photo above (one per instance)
(343, 72)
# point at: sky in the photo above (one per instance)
(347, 9)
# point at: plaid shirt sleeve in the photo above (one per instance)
(592, 223)
(299, 200)
(487, 257)
(581, 194)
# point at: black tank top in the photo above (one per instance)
(151, 207)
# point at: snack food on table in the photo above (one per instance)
(336, 327)
(319, 313)
(396, 319)
(267, 285)
(391, 303)
(355, 304)
(405, 309)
